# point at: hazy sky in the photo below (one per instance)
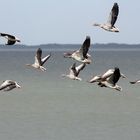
(68, 21)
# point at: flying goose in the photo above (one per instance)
(8, 85)
(11, 40)
(81, 55)
(74, 71)
(39, 61)
(111, 81)
(109, 26)
(135, 82)
(104, 76)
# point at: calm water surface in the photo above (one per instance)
(49, 107)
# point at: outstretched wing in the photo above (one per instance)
(96, 78)
(10, 38)
(79, 68)
(113, 14)
(113, 79)
(85, 47)
(107, 74)
(11, 42)
(73, 70)
(8, 35)
(10, 87)
(45, 59)
(38, 56)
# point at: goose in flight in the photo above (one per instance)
(109, 26)
(109, 79)
(74, 71)
(8, 85)
(11, 40)
(135, 82)
(104, 76)
(39, 61)
(81, 55)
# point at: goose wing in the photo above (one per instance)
(11, 42)
(96, 78)
(45, 59)
(113, 14)
(10, 87)
(11, 39)
(73, 70)
(8, 35)
(107, 74)
(79, 68)
(85, 47)
(38, 57)
(113, 79)
(3, 34)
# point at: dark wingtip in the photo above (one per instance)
(116, 68)
(87, 37)
(115, 4)
(74, 65)
(87, 41)
(39, 49)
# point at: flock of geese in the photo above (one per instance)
(108, 79)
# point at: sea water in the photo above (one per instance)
(51, 107)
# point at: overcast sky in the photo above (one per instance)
(68, 21)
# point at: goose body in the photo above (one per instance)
(8, 85)
(110, 25)
(81, 55)
(74, 71)
(39, 61)
(11, 39)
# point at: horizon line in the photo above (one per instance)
(71, 44)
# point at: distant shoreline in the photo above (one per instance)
(55, 46)
(95, 45)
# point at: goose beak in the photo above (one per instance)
(18, 86)
(88, 62)
(18, 40)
